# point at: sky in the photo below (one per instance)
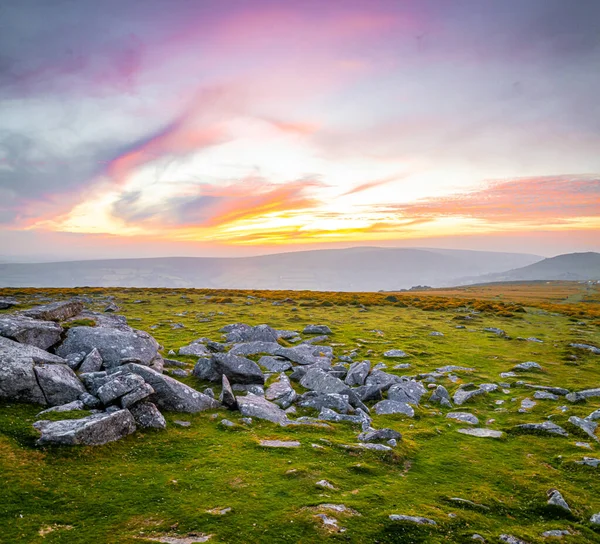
(204, 128)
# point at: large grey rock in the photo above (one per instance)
(587, 426)
(583, 395)
(94, 380)
(196, 350)
(237, 369)
(368, 392)
(274, 364)
(393, 407)
(18, 381)
(318, 380)
(147, 416)
(260, 333)
(409, 392)
(114, 345)
(259, 407)
(357, 373)
(136, 395)
(59, 383)
(318, 401)
(92, 362)
(281, 392)
(41, 334)
(119, 386)
(14, 350)
(441, 396)
(56, 311)
(547, 427)
(317, 329)
(7, 302)
(205, 370)
(255, 348)
(227, 397)
(303, 354)
(463, 417)
(382, 379)
(93, 430)
(170, 394)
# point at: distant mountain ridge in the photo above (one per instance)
(353, 269)
(570, 266)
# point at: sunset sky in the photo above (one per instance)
(181, 127)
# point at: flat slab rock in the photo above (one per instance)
(56, 311)
(280, 443)
(419, 520)
(482, 433)
(180, 539)
(93, 430)
(41, 334)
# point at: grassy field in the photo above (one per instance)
(167, 483)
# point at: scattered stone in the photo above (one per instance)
(547, 427)
(382, 379)
(280, 443)
(412, 519)
(441, 396)
(195, 349)
(466, 502)
(379, 435)
(595, 415)
(435, 333)
(587, 347)
(545, 395)
(495, 330)
(464, 417)
(595, 519)
(583, 395)
(318, 380)
(555, 498)
(6, 303)
(585, 445)
(587, 426)
(111, 308)
(245, 333)
(227, 423)
(510, 539)
(466, 393)
(590, 462)
(555, 533)
(482, 433)
(529, 365)
(324, 484)
(395, 354)
(182, 423)
(526, 405)
(281, 392)
(317, 329)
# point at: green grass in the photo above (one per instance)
(154, 483)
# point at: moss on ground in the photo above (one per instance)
(166, 482)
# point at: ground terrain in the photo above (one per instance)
(166, 482)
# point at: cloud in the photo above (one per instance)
(375, 183)
(540, 200)
(209, 205)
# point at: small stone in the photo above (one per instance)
(325, 484)
(556, 533)
(412, 519)
(280, 443)
(227, 423)
(464, 417)
(182, 423)
(555, 498)
(482, 433)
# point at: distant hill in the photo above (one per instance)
(570, 266)
(354, 269)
